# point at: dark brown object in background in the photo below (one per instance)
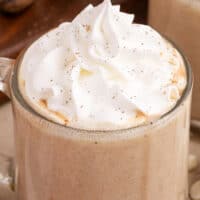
(3, 98)
(17, 31)
(13, 6)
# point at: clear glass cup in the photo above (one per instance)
(179, 20)
(57, 162)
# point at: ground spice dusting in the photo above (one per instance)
(172, 62)
(43, 103)
(140, 114)
(87, 27)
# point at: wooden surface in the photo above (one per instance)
(17, 31)
(7, 148)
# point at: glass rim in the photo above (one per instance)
(21, 100)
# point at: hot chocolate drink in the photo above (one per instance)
(101, 110)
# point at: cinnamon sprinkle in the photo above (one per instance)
(43, 103)
(140, 114)
(87, 27)
(180, 73)
(172, 62)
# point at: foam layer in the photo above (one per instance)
(101, 71)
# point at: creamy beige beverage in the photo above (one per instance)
(101, 110)
(179, 20)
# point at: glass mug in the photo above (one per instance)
(55, 162)
(179, 20)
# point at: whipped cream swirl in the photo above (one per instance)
(102, 72)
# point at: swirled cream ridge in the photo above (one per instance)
(102, 72)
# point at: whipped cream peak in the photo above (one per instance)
(102, 72)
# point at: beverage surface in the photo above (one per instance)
(102, 72)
